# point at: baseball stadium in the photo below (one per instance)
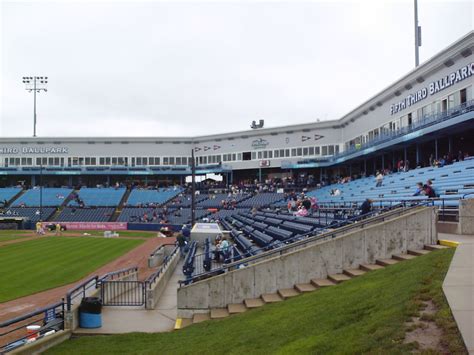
(349, 235)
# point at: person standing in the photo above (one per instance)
(181, 244)
(379, 179)
(366, 207)
(58, 229)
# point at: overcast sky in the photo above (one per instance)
(193, 68)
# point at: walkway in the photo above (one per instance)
(117, 320)
(458, 286)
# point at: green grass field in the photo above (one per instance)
(37, 265)
(364, 315)
(5, 237)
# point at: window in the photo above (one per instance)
(337, 148)
(293, 152)
(305, 151)
(259, 154)
(311, 151)
(107, 161)
(325, 150)
(287, 152)
(299, 152)
(277, 153)
(234, 157)
(239, 156)
(114, 161)
(165, 160)
(331, 150)
(254, 155)
(270, 154)
(171, 160)
(463, 95)
(93, 161)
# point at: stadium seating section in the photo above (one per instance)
(50, 196)
(32, 213)
(104, 197)
(8, 193)
(159, 196)
(95, 214)
(451, 181)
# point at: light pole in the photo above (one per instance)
(35, 84)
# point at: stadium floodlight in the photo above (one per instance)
(35, 84)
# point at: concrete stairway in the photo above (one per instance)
(313, 285)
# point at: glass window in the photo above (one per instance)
(239, 156)
(114, 160)
(270, 154)
(325, 150)
(293, 152)
(287, 153)
(311, 151)
(331, 150)
(277, 153)
(234, 157)
(171, 160)
(254, 155)
(93, 161)
(299, 152)
(265, 154)
(165, 160)
(305, 151)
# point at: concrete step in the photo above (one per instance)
(200, 317)
(217, 313)
(353, 272)
(403, 257)
(370, 267)
(322, 282)
(234, 308)
(271, 297)
(338, 278)
(288, 293)
(418, 252)
(386, 262)
(435, 247)
(253, 303)
(304, 288)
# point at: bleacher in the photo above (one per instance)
(262, 199)
(7, 193)
(153, 215)
(95, 214)
(103, 197)
(32, 213)
(450, 182)
(140, 197)
(51, 197)
(217, 200)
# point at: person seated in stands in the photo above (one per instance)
(366, 207)
(378, 179)
(400, 165)
(419, 189)
(224, 248)
(302, 212)
(428, 191)
(337, 192)
(449, 159)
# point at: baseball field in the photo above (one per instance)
(30, 264)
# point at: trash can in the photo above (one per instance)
(90, 313)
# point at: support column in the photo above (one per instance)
(365, 166)
(393, 160)
(383, 162)
(417, 155)
(436, 148)
(450, 144)
(33, 180)
(260, 175)
(405, 153)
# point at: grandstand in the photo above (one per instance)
(47, 196)
(103, 197)
(139, 197)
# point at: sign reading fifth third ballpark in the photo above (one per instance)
(436, 86)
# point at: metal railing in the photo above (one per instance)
(152, 278)
(119, 273)
(48, 320)
(81, 290)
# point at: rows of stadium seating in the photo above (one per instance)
(50, 196)
(32, 213)
(103, 197)
(216, 200)
(267, 230)
(6, 194)
(451, 181)
(159, 196)
(174, 216)
(262, 199)
(95, 214)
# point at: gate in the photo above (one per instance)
(123, 293)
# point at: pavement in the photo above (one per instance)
(458, 286)
(118, 320)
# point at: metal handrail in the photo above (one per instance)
(119, 273)
(82, 287)
(152, 278)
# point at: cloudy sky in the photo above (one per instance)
(159, 68)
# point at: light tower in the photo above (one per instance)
(35, 84)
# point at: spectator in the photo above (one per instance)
(181, 244)
(407, 165)
(379, 179)
(419, 189)
(400, 166)
(428, 191)
(460, 156)
(366, 207)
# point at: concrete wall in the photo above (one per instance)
(411, 230)
(154, 293)
(466, 216)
